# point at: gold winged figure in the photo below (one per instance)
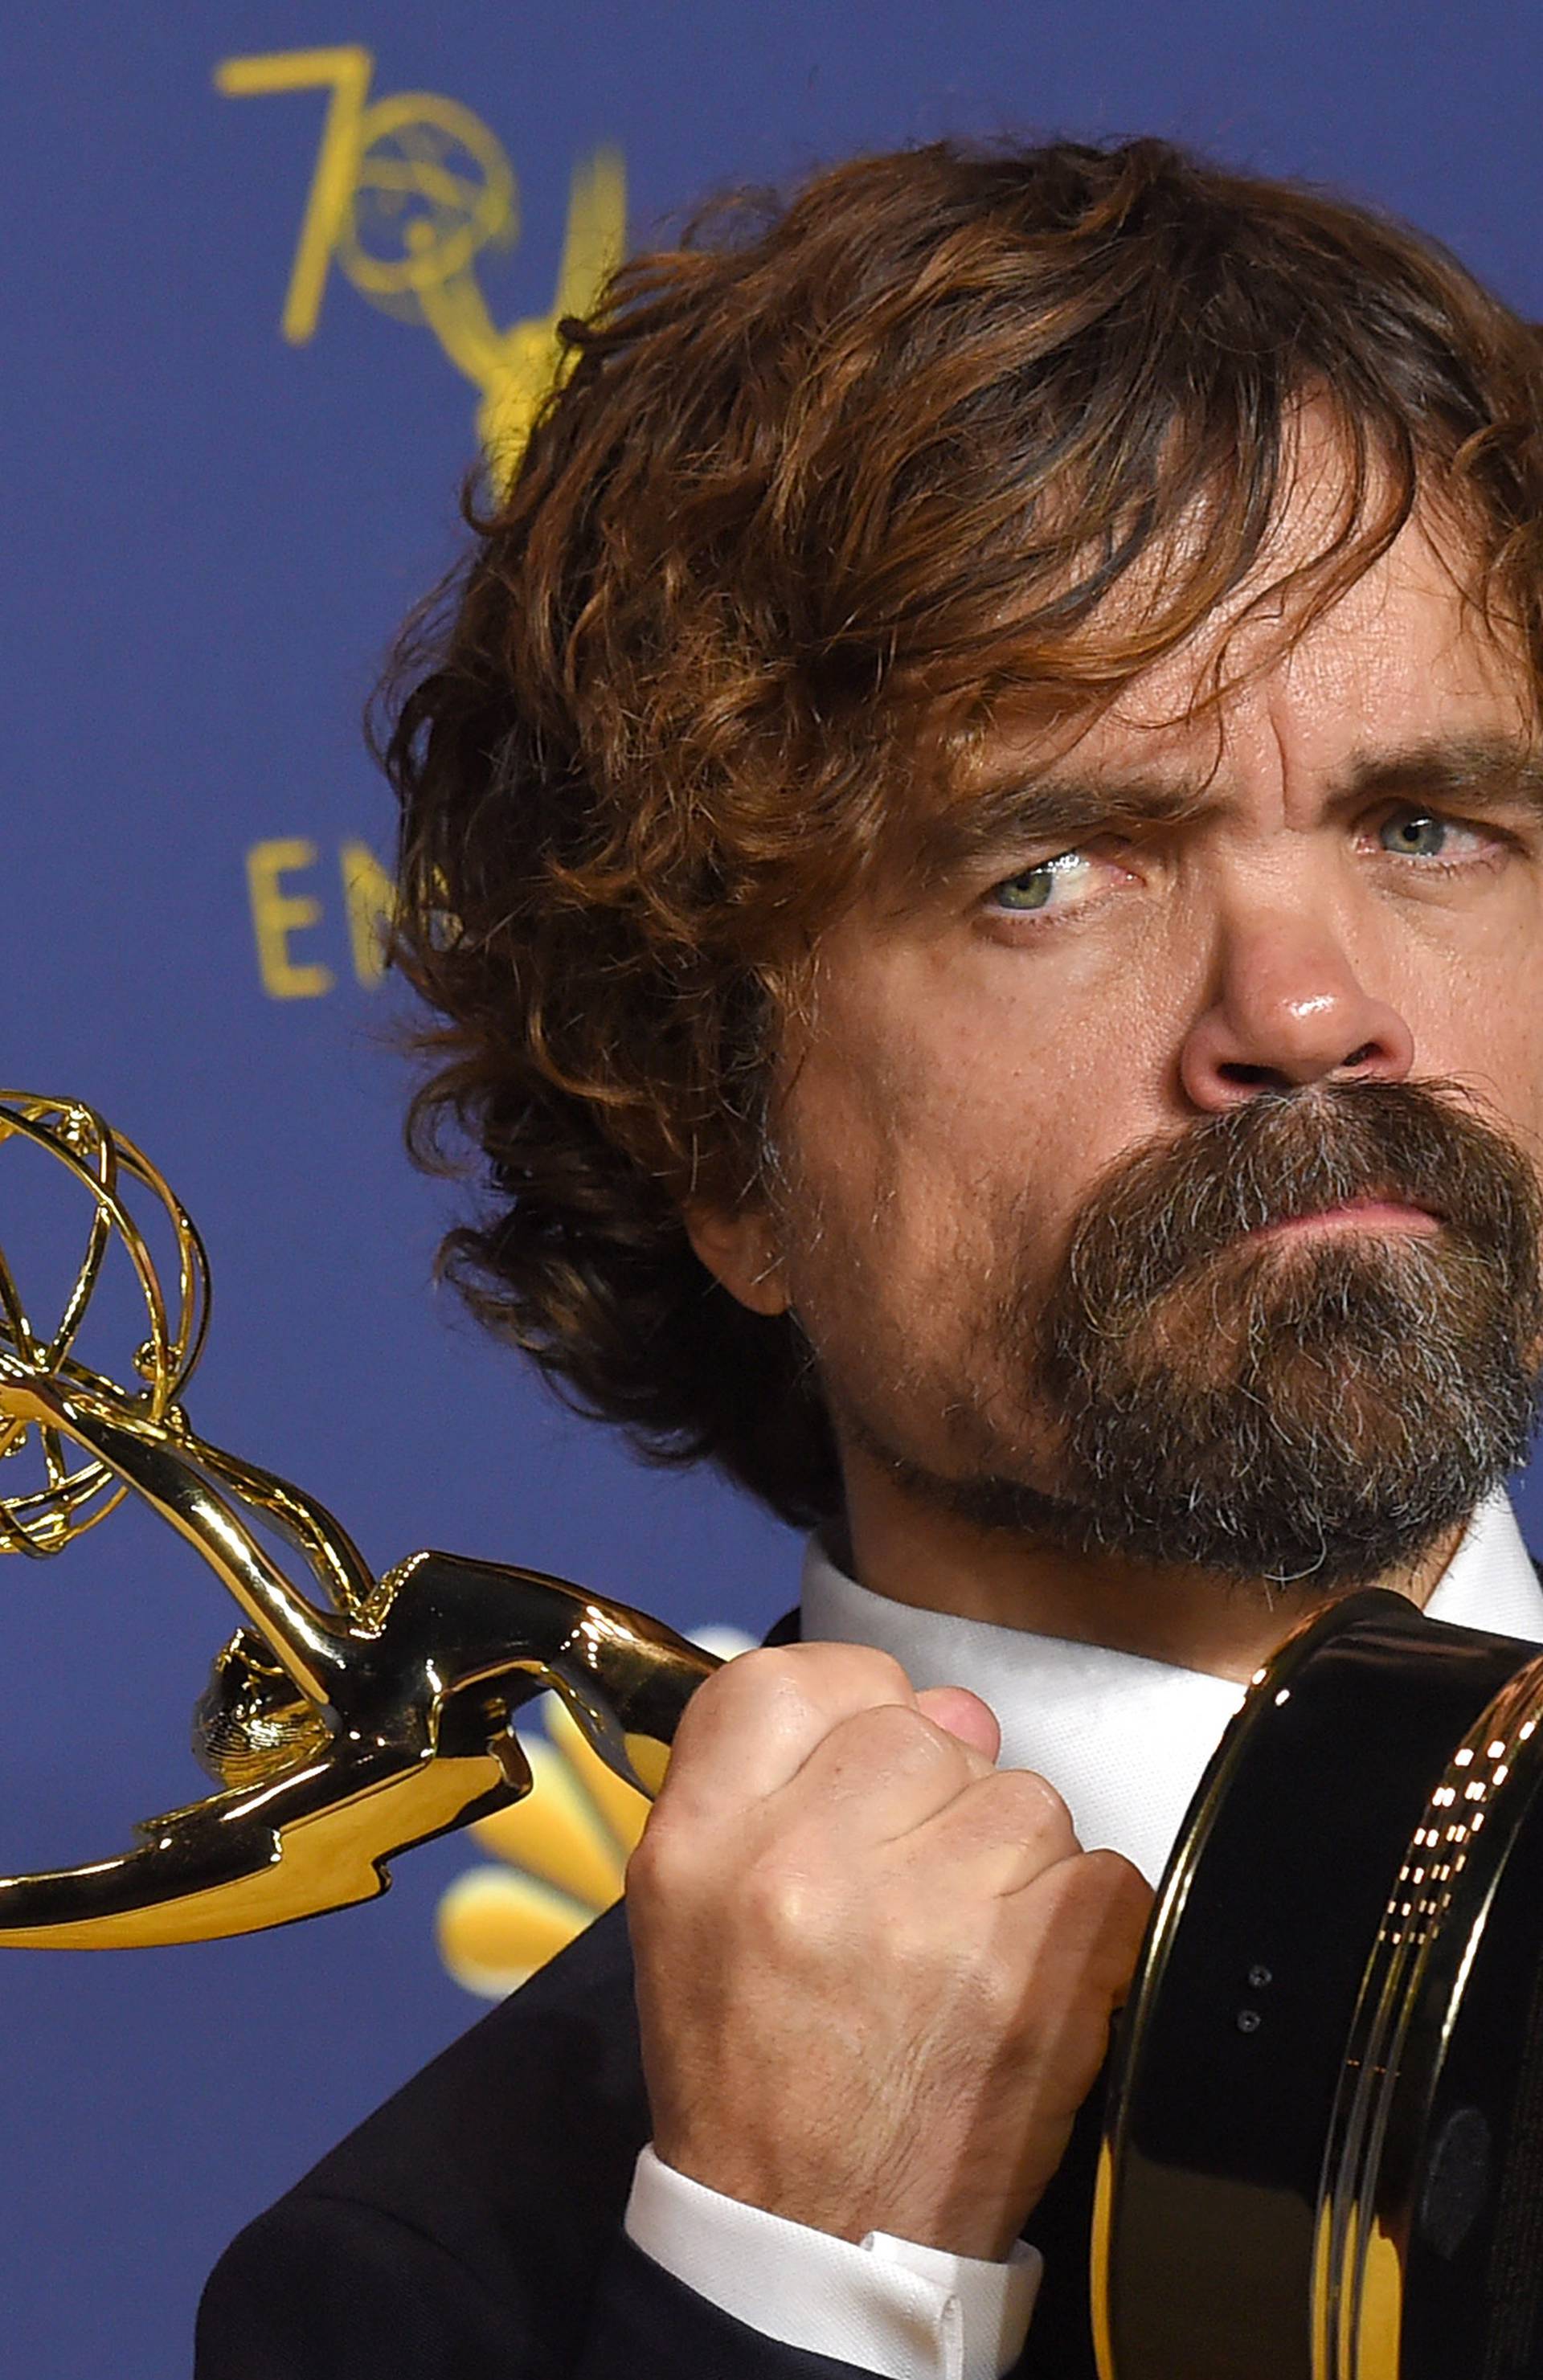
(348, 1717)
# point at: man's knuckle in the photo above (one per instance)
(895, 1736)
(658, 1864)
(1031, 1804)
(781, 1899)
(1097, 1900)
(1107, 1880)
(858, 1674)
(766, 1672)
(812, 1677)
(886, 1673)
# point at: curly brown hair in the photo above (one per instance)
(827, 473)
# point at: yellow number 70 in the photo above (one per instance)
(513, 364)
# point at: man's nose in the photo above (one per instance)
(1289, 1009)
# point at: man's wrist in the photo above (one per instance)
(885, 2306)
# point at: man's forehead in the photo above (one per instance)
(1304, 603)
(1402, 671)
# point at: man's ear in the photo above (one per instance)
(741, 1250)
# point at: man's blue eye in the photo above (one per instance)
(1029, 890)
(1415, 834)
(1061, 880)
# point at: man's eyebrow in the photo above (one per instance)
(1498, 771)
(1017, 809)
(1020, 809)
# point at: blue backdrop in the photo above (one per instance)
(271, 272)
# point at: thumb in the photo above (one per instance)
(964, 1715)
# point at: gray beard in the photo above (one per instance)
(1314, 1413)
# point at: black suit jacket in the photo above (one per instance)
(471, 2230)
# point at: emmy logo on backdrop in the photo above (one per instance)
(409, 193)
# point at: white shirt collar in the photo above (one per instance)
(1124, 1739)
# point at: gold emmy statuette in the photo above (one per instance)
(343, 1723)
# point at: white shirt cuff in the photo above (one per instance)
(888, 2306)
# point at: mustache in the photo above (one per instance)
(1159, 1214)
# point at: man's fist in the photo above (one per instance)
(875, 1972)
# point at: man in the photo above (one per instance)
(978, 836)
